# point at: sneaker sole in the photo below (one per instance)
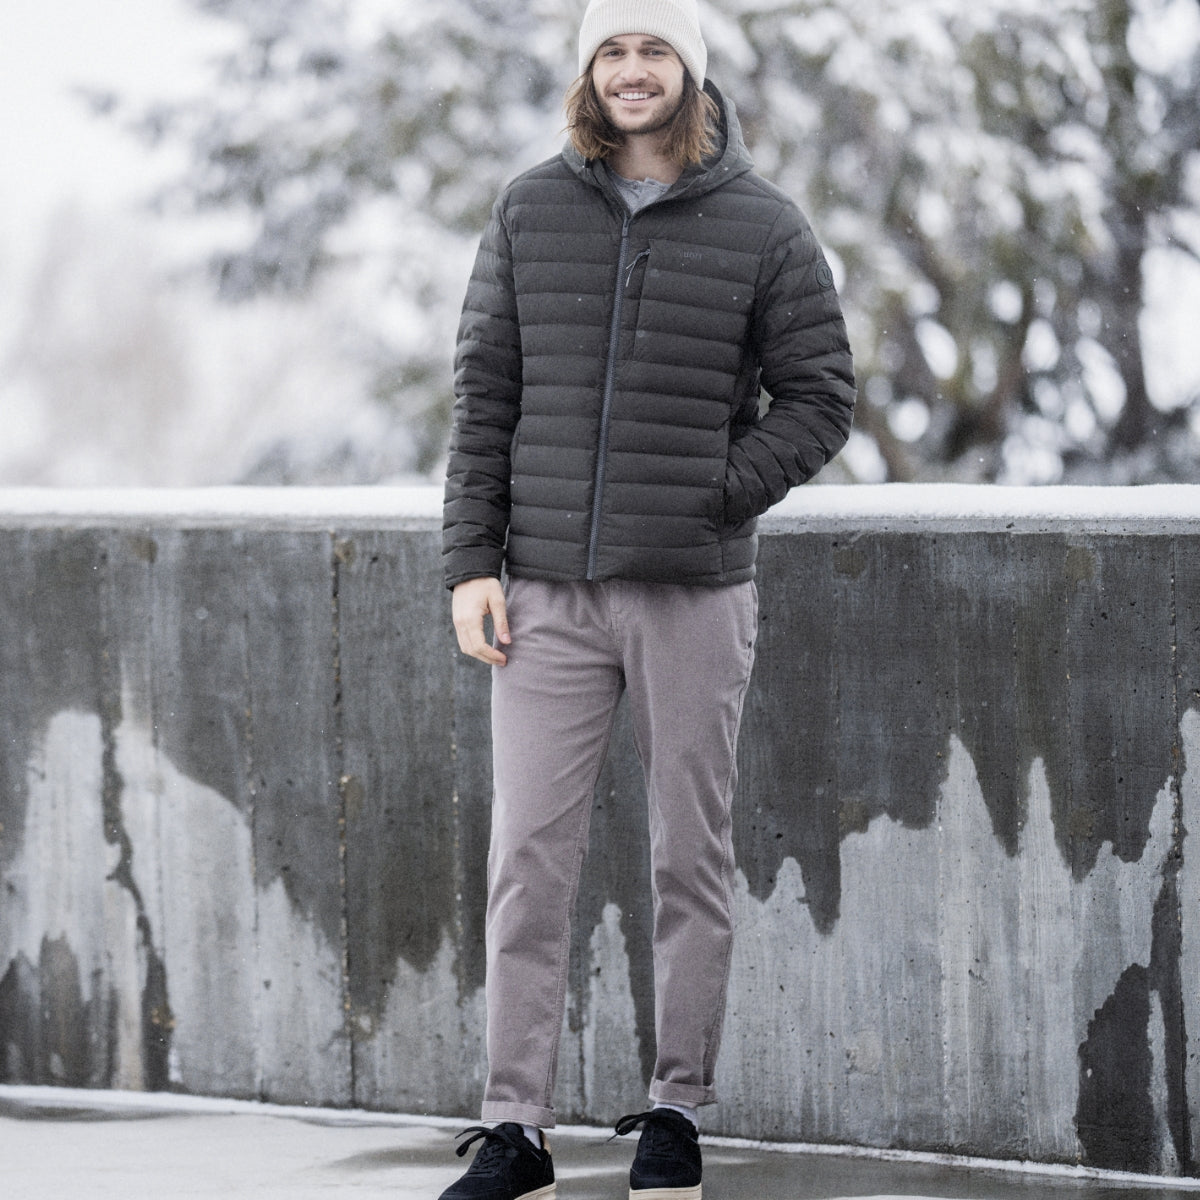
(684, 1193)
(546, 1193)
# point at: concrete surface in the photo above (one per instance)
(56, 1144)
(244, 790)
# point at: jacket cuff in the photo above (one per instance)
(474, 563)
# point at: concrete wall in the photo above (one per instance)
(244, 807)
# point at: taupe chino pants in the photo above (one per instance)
(684, 654)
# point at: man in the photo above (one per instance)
(630, 298)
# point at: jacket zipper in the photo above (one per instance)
(633, 267)
(614, 334)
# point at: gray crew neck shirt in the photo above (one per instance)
(637, 193)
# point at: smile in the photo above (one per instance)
(630, 96)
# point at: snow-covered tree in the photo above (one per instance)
(371, 137)
(104, 381)
(991, 178)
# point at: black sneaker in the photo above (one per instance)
(508, 1166)
(667, 1163)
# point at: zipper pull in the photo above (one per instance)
(629, 274)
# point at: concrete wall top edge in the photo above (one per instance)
(306, 508)
(930, 507)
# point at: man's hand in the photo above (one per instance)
(470, 601)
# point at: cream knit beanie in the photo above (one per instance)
(675, 21)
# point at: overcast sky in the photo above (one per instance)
(53, 149)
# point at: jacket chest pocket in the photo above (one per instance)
(694, 297)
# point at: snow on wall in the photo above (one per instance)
(243, 820)
(921, 502)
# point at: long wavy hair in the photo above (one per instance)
(691, 135)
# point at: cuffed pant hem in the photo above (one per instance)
(523, 1114)
(686, 1094)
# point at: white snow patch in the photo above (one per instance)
(938, 346)
(965, 504)
(959, 504)
(221, 504)
(1168, 327)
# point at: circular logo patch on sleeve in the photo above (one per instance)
(824, 275)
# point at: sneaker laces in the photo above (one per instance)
(630, 1123)
(656, 1121)
(498, 1143)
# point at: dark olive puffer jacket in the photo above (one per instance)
(609, 370)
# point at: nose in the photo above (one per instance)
(633, 70)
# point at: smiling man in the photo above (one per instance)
(632, 300)
(640, 82)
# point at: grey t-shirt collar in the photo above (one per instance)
(637, 193)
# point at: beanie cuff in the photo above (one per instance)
(675, 21)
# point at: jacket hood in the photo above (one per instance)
(728, 161)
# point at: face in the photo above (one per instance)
(639, 80)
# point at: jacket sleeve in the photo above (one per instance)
(806, 370)
(487, 389)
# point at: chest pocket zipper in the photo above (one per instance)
(629, 274)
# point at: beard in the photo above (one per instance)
(661, 117)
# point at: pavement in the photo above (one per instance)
(60, 1144)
